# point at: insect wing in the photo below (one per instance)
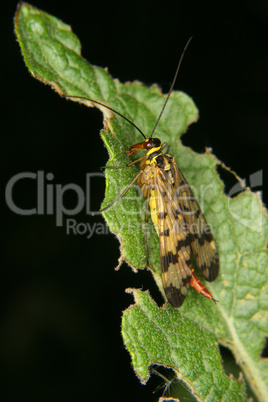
(201, 239)
(175, 253)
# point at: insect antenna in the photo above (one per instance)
(171, 87)
(107, 107)
(124, 117)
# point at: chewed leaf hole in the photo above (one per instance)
(232, 369)
(264, 352)
(232, 186)
(169, 385)
(194, 140)
(229, 364)
(143, 279)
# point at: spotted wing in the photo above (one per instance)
(175, 253)
(201, 239)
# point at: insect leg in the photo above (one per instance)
(145, 233)
(121, 195)
(120, 167)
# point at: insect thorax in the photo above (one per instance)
(150, 166)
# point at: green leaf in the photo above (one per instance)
(183, 339)
(165, 336)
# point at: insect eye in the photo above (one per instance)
(153, 143)
(157, 142)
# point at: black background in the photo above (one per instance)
(61, 299)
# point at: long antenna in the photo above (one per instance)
(171, 87)
(107, 107)
(124, 117)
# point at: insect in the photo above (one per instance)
(176, 215)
